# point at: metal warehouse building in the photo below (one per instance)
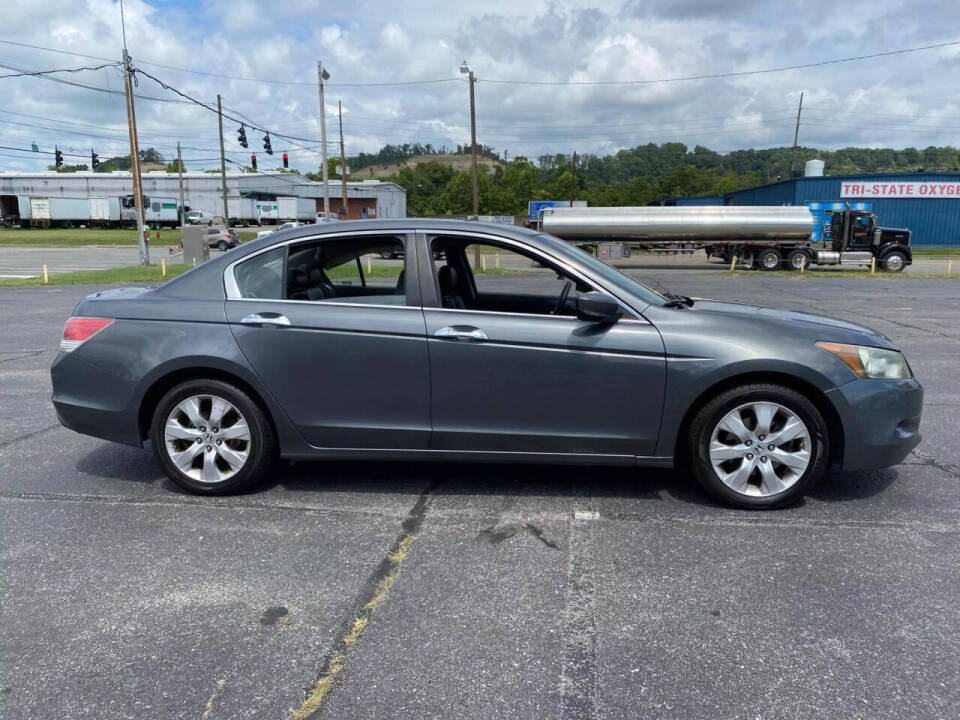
(928, 204)
(202, 191)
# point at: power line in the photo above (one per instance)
(713, 76)
(269, 81)
(87, 86)
(61, 70)
(182, 94)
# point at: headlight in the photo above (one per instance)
(870, 362)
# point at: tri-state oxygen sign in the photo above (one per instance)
(948, 190)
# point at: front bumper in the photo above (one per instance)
(881, 421)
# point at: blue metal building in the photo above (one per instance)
(928, 204)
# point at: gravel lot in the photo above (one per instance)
(529, 591)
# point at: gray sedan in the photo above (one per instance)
(307, 345)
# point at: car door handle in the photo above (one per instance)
(461, 332)
(266, 318)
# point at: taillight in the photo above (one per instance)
(80, 329)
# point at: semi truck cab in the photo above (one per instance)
(855, 234)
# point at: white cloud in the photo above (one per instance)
(899, 101)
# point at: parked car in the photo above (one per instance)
(285, 226)
(580, 365)
(222, 238)
(323, 217)
(198, 217)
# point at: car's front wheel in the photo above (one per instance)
(212, 438)
(758, 446)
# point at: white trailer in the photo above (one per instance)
(243, 211)
(268, 211)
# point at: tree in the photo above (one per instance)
(67, 168)
(176, 166)
(150, 156)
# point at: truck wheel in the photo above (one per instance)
(797, 259)
(894, 262)
(758, 446)
(769, 259)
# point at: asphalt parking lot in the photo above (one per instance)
(527, 591)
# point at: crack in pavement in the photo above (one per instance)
(496, 534)
(466, 515)
(372, 595)
(924, 459)
(27, 436)
(26, 354)
(579, 678)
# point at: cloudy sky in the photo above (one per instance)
(269, 50)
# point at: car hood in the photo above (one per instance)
(801, 321)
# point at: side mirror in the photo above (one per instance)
(597, 307)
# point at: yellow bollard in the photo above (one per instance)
(873, 266)
(733, 263)
(163, 266)
(803, 263)
(498, 260)
(46, 278)
(949, 267)
(369, 264)
(483, 262)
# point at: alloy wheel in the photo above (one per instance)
(760, 449)
(207, 438)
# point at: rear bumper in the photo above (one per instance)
(89, 401)
(881, 421)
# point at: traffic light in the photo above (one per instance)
(94, 160)
(253, 161)
(266, 144)
(286, 162)
(242, 135)
(57, 156)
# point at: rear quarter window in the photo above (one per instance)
(261, 277)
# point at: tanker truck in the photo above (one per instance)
(763, 237)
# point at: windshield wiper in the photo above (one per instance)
(675, 301)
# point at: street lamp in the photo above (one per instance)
(465, 70)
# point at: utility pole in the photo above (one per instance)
(223, 166)
(183, 209)
(134, 157)
(796, 136)
(343, 164)
(323, 76)
(573, 186)
(473, 149)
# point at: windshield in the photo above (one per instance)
(609, 273)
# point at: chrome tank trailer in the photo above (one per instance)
(727, 222)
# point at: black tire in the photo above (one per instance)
(262, 444)
(222, 246)
(700, 434)
(894, 261)
(797, 257)
(769, 259)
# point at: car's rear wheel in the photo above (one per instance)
(758, 446)
(222, 246)
(212, 438)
